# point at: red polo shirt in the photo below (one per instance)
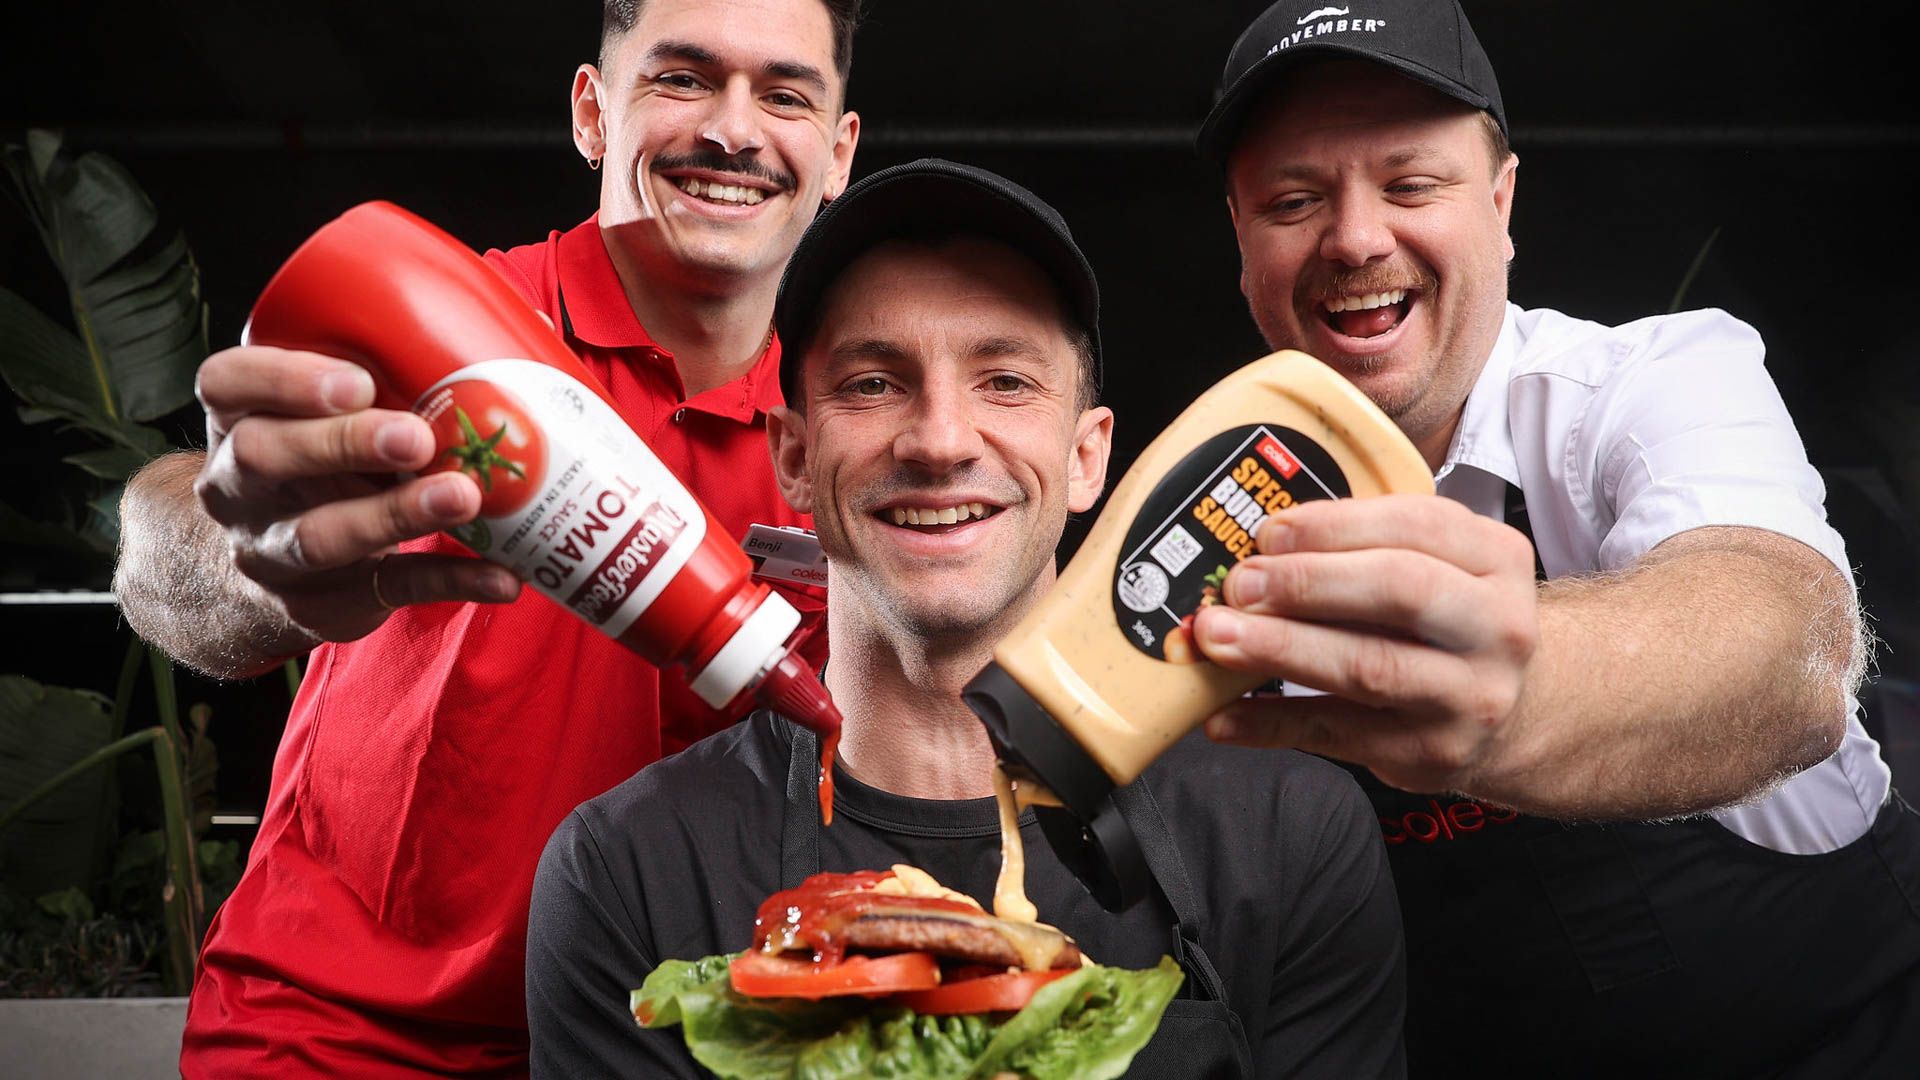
(380, 928)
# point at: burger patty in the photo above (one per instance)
(946, 938)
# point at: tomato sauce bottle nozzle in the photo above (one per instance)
(794, 690)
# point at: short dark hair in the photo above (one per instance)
(1087, 394)
(618, 16)
(1497, 143)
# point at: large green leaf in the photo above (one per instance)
(17, 529)
(48, 368)
(134, 290)
(109, 463)
(1086, 1026)
(44, 729)
(102, 530)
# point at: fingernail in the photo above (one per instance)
(1245, 587)
(500, 585)
(348, 388)
(1275, 538)
(443, 500)
(397, 442)
(1218, 627)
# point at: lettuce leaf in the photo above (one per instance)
(1087, 1026)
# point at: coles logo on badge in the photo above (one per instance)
(1283, 463)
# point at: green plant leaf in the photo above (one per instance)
(47, 367)
(44, 729)
(114, 463)
(102, 530)
(18, 529)
(69, 905)
(134, 288)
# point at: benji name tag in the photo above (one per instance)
(784, 553)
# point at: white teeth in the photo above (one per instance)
(724, 193)
(1367, 301)
(950, 515)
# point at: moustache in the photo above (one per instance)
(736, 164)
(1353, 281)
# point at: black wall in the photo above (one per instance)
(1642, 129)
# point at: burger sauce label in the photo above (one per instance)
(1200, 520)
(571, 499)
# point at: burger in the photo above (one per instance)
(889, 973)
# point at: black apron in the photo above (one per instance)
(1537, 948)
(1199, 1036)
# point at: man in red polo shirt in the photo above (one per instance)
(446, 723)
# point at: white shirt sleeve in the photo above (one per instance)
(1690, 431)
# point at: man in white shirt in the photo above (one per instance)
(1695, 642)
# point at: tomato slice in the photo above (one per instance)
(757, 974)
(1006, 992)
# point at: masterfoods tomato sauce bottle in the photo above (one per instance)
(571, 499)
(1102, 676)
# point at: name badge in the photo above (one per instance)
(784, 553)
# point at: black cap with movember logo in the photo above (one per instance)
(1428, 41)
(928, 199)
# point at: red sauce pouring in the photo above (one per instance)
(828, 744)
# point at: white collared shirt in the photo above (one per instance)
(1622, 437)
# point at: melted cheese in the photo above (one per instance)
(913, 881)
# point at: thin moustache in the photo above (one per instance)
(737, 164)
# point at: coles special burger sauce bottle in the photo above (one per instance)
(571, 499)
(1102, 676)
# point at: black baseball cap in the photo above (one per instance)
(931, 199)
(1428, 41)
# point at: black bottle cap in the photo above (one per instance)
(1088, 832)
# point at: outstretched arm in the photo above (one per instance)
(1718, 664)
(177, 585)
(276, 538)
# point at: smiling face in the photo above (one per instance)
(1373, 236)
(720, 125)
(940, 444)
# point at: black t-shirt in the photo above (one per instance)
(1297, 906)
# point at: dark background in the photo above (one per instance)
(1642, 128)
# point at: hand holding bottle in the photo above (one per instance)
(1417, 615)
(301, 472)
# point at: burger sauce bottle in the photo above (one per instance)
(572, 500)
(1102, 675)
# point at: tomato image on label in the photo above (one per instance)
(484, 431)
(1178, 646)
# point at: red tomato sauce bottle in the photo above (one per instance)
(572, 500)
